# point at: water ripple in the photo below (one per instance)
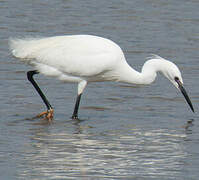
(116, 155)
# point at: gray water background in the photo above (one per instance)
(126, 132)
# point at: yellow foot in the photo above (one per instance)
(47, 115)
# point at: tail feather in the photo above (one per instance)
(22, 48)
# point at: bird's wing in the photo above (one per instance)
(75, 55)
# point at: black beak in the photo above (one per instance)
(182, 89)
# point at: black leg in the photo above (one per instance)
(30, 78)
(75, 112)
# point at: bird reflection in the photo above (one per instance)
(188, 125)
(73, 150)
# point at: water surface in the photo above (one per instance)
(125, 132)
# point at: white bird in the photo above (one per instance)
(84, 59)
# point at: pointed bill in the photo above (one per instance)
(183, 91)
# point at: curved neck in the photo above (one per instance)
(146, 76)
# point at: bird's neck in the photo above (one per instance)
(146, 76)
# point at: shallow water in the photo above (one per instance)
(125, 132)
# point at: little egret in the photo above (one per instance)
(84, 59)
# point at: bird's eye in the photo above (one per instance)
(176, 79)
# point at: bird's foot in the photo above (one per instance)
(47, 115)
(75, 117)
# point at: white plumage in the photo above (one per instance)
(78, 56)
(86, 58)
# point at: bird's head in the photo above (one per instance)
(172, 72)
